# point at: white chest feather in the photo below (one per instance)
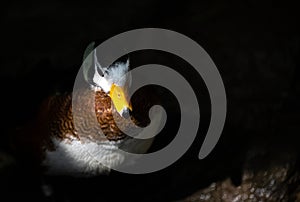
(88, 159)
(78, 159)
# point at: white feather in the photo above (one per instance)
(81, 159)
(114, 74)
(75, 158)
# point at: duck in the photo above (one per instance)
(84, 140)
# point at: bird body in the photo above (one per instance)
(83, 151)
(86, 140)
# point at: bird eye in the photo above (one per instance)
(100, 71)
(119, 95)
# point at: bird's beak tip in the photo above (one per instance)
(126, 113)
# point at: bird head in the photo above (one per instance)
(113, 80)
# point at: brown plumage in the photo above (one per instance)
(57, 113)
(84, 132)
(55, 120)
(61, 123)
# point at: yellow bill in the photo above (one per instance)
(119, 98)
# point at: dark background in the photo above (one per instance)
(254, 44)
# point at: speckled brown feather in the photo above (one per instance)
(61, 120)
(56, 120)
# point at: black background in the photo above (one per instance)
(255, 45)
